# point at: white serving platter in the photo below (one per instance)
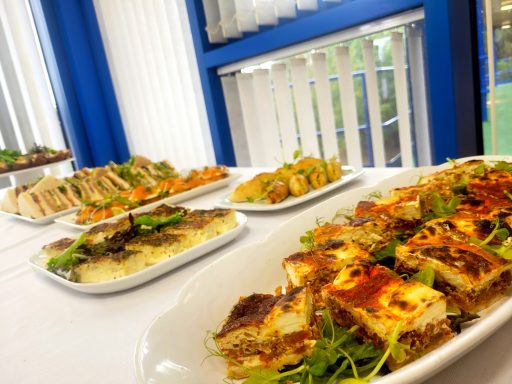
(42, 220)
(31, 169)
(171, 350)
(69, 220)
(349, 175)
(140, 277)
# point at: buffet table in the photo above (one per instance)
(52, 334)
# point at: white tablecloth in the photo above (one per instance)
(52, 334)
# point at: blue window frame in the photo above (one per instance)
(451, 56)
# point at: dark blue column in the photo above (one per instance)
(453, 78)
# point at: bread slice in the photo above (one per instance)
(29, 207)
(10, 201)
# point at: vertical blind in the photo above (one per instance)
(156, 79)
(28, 114)
(288, 104)
(230, 19)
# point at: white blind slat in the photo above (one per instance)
(11, 112)
(148, 60)
(372, 92)
(111, 31)
(236, 120)
(265, 12)
(228, 22)
(269, 131)
(307, 5)
(304, 107)
(251, 119)
(284, 105)
(42, 113)
(212, 15)
(286, 9)
(156, 80)
(13, 80)
(419, 102)
(348, 107)
(402, 99)
(245, 16)
(325, 109)
(192, 110)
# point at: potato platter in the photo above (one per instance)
(289, 185)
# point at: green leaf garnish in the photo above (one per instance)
(460, 187)
(480, 169)
(9, 155)
(463, 317)
(345, 213)
(442, 209)
(67, 259)
(503, 250)
(398, 350)
(375, 195)
(296, 154)
(336, 354)
(503, 166)
(149, 221)
(425, 276)
(388, 251)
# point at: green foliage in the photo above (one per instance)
(480, 169)
(68, 258)
(503, 166)
(389, 251)
(440, 208)
(9, 155)
(425, 276)
(458, 319)
(307, 240)
(149, 221)
(337, 358)
(336, 354)
(502, 250)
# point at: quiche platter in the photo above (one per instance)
(125, 253)
(258, 268)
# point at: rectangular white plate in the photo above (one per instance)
(349, 174)
(172, 350)
(69, 220)
(42, 220)
(25, 170)
(140, 277)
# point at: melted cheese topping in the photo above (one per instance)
(377, 299)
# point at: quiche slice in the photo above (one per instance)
(376, 299)
(267, 331)
(367, 232)
(471, 276)
(113, 250)
(320, 266)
